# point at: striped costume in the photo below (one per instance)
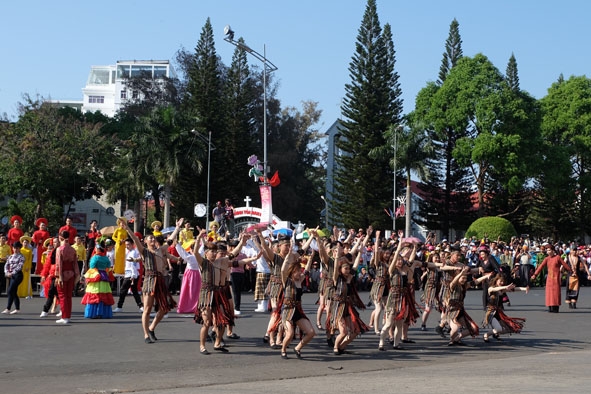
(380, 286)
(275, 287)
(343, 304)
(154, 284)
(457, 313)
(214, 297)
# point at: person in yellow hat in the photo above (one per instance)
(213, 235)
(119, 236)
(156, 228)
(25, 289)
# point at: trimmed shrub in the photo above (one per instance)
(491, 227)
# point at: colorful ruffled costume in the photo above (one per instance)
(99, 296)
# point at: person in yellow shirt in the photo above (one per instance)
(5, 251)
(186, 235)
(25, 289)
(119, 237)
(213, 235)
(80, 249)
(156, 228)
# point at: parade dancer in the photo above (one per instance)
(214, 309)
(292, 314)
(154, 287)
(495, 317)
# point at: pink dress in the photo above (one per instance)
(191, 285)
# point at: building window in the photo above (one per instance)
(141, 71)
(159, 72)
(123, 94)
(123, 71)
(96, 99)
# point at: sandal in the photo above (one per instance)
(382, 349)
(298, 353)
(486, 338)
(203, 351)
(319, 326)
(234, 336)
(284, 355)
(497, 337)
(266, 338)
(221, 349)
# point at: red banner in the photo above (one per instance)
(266, 204)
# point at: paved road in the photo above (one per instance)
(109, 356)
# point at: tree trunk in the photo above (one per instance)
(166, 218)
(138, 215)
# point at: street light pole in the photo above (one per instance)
(268, 67)
(210, 147)
(325, 211)
(394, 182)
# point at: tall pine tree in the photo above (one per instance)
(511, 74)
(449, 183)
(363, 187)
(205, 102)
(453, 51)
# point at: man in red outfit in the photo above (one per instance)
(67, 274)
(70, 229)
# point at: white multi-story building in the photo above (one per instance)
(107, 92)
(105, 89)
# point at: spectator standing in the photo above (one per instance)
(218, 213)
(229, 217)
(5, 251)
(39, 237)
(15, 233)
(25, 290)
(13, 270)
(92, 235)
(130, 280)
(80, 249)
(70, 229)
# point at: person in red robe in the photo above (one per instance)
(71, 231)
(553, 262)
(39, 237)
(15, 233)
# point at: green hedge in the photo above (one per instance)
(491, 227)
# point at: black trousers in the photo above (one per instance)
(175, 281)
(125, 286)
(49, 301)
(237, 279)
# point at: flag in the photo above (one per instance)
(275, 181)
(400, 211)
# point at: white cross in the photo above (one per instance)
(247, 200)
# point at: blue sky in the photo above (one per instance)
(48, 47)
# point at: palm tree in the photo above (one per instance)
(165, 146)
(412, 150)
